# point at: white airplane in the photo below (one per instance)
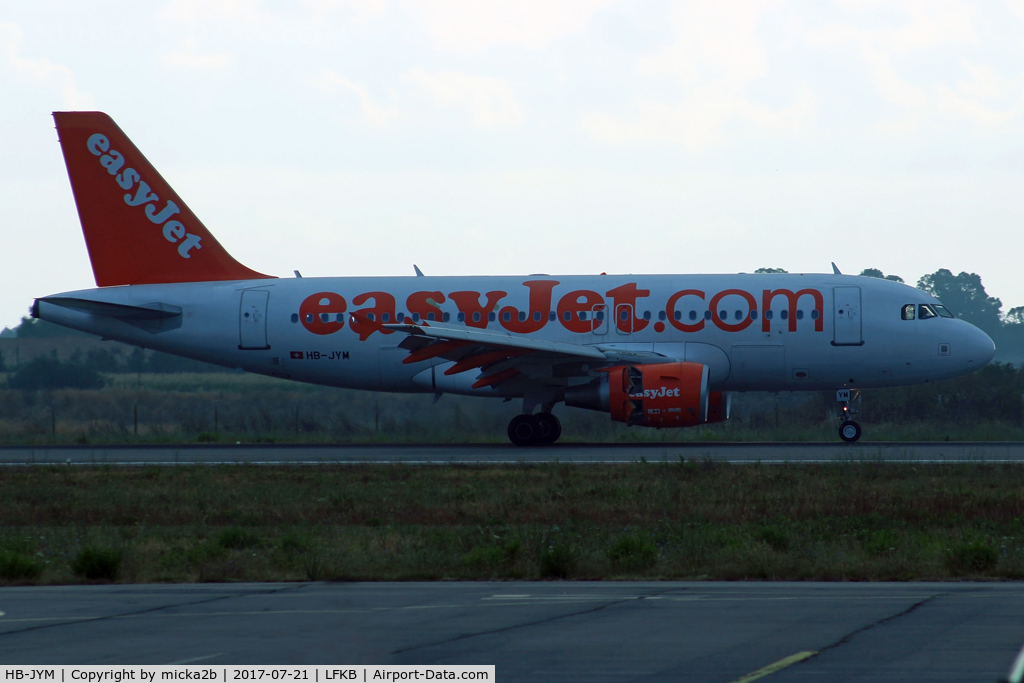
(650, 350)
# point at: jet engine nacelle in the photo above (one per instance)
(656, 395)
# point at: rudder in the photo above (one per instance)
(137, 229)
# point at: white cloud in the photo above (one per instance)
(891, 38)
(376, 114)
(189, 57)
(700, 121)
(42, 70)
(255, 12)
(358, 10)
(713, 41)
(715, 55)
(471, 26)
(968, 100)
(490, 101)
(195, 11)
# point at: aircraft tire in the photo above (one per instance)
(549, 428)
(523, 430)
(849, 431)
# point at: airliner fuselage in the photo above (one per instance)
(650, 350)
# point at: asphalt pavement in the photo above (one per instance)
(545, 631)
(273, 454)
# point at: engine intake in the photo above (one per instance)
(657, 395)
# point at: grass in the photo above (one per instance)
(853, 522)
(211, 408)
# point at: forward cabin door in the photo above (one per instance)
(846, 316)
(252, 319)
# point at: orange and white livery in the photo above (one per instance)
(650, 350)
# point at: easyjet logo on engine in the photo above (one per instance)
(113, 161)
(582, 311)
(656, 393)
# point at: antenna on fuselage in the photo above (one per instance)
(835, 269)
(419, 273)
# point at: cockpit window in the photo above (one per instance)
(908, 312)
(924, 311)
(943, 311)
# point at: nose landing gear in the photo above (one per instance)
(849, 430)
(541, 429)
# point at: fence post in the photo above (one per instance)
(135, 412)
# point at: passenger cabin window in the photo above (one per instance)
(295, 317)
(943, 311)
(907, 312)
(924, 311)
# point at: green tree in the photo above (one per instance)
(875, 272)
(49, 373)
(965, 296)
(762, 271)
(37, 329)
(1014, 316)
(137, 360)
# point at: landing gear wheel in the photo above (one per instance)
(523, 430)
(849, 431)
(548, 428)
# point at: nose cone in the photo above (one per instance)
(980, 348)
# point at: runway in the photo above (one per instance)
(273, 454)
(550, 631)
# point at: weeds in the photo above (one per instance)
(867, 521)
(16, 567)
(97, 563)
(633, 552)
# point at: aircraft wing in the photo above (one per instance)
(501, 356)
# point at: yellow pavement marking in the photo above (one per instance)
(772, 668)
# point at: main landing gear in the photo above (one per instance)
(849, 430)
(534, 430)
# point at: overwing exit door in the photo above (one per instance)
(252, 319)
(846, 316)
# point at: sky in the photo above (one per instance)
(358, 137)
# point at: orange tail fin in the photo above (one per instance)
(137, 229)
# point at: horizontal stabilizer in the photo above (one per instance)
(154, 311)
